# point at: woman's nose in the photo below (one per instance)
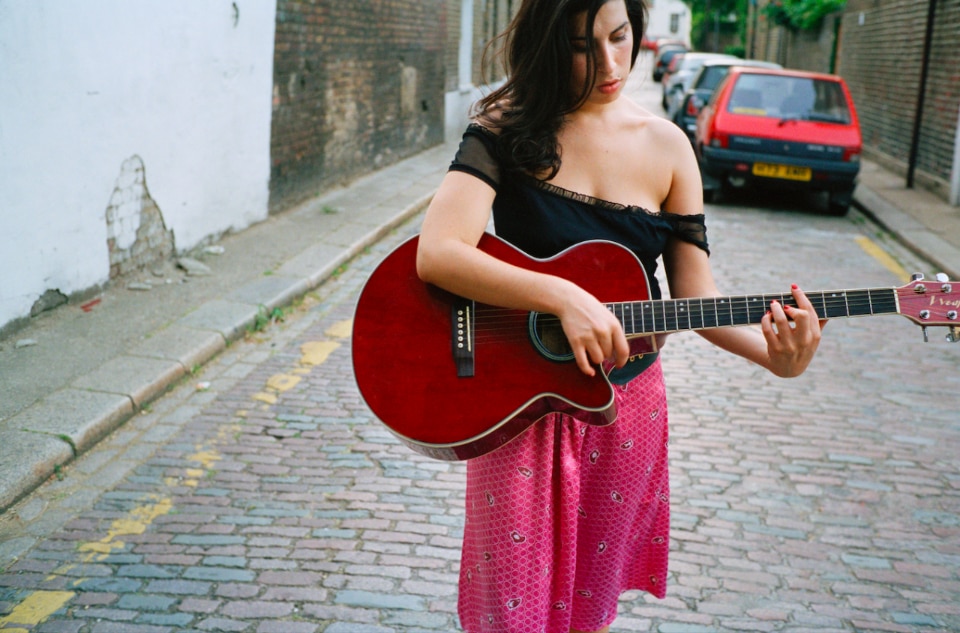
(606, 58)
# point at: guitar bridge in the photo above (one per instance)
(462, 316)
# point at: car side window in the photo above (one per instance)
(711, 77)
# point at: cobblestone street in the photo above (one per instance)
(261, 495)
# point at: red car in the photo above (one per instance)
(782, 128)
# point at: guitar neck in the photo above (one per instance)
(702, 313)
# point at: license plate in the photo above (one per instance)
(788, 172)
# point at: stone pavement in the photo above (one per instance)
(273, 502)
(103, 367)
(94, 366)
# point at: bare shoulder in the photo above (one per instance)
(661, 155)
(666, 133)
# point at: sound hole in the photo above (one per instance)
(547, 336)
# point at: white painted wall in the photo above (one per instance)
(84, 86)
(660, 22)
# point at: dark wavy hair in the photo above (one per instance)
(528, 109)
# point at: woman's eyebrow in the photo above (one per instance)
(583, 38)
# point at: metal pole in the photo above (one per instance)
(921, 96)
(716, 31)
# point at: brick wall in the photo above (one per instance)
(451, 57)
(881, 55)
(491, 18)
(358, 85)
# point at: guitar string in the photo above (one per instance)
(742, 310)
(495, 324)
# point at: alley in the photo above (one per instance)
(260, 495)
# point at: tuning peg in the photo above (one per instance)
(916, 277)
(953, 336)
(926, 339)
(943, 278)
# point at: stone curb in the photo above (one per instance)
(100, 402)
(913, 234)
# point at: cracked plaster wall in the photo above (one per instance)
(185, 87)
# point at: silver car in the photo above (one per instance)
(677, 82)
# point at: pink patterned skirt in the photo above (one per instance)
(566, 517)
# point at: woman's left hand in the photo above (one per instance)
(792, 334)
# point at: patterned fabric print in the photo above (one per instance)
(566, 517)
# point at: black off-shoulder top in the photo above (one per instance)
(542, 219)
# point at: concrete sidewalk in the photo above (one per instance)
(78, 372)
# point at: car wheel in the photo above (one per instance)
(838, 202)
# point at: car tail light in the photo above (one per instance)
(851, 155)
(693, 106)
(719, 140)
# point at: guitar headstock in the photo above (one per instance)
(932, 302)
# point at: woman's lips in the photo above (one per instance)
(609, 87)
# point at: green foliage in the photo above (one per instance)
(704, 15)
(801, 15)
(264, 318)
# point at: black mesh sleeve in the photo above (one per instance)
(477, 155)
(690, 228)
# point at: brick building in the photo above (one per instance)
(878, 47)
(210, 120)
(357, 85)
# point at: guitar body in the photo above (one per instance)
(455, 380)
(405, 339)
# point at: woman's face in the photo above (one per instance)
(613, 42)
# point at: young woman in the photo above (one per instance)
(567, 516)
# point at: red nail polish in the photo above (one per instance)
(794, 286)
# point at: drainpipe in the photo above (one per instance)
(955, 176)
(921, 96)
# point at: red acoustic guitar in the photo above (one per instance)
(455, 379)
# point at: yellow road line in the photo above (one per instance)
(135, 523)
(36, 608)
(312, 354)
(888, 262)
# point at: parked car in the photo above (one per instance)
(665, 53)
(794, 130)
(680, 77)
(671, 67)
(667, 41)
(702, 85)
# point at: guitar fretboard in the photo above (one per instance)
(676, 315)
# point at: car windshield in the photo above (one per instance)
(789, 98)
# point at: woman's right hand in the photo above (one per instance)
(593, 332)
